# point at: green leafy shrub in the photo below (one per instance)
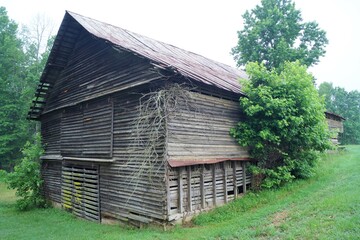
(3, 175)
(284, 125)
(26, 177)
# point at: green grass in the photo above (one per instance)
(326, 206)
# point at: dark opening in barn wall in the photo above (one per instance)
(80, 191)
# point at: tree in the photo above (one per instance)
(36, 34)
(26, 177)
(325, 90)
(20, 70)
(346, 104)
(11, 113)
(274, 33)
(285, 124)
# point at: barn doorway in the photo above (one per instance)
(80, 190)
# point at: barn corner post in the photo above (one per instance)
(174, 95)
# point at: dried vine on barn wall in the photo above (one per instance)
(149, 130)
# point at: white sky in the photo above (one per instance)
(209, 27)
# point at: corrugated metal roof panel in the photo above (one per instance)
(186, 63)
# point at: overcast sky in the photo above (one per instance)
(209, 27)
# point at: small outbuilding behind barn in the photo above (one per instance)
(336, 126)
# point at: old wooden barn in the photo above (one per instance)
(136, 130)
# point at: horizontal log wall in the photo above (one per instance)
(198, 187)
(200, 130)
(95, 68)
(86, 129)
(51, 174)
(51, 131)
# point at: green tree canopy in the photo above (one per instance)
(20, 70)
(285, 122)
(11, 62)
(274, 32)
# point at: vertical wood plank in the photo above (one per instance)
(225, 181)
(98, 192)
(168, 197)
(214, 183)
(244, 176)
(180, 190)
(189, 188)
(234, 179)
(202, 189)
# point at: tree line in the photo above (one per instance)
(21, 63)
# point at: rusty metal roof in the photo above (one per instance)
(186, 63)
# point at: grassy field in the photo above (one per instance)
(326, 206)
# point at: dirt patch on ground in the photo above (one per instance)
(279, 218)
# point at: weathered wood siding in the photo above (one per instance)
(199, 187)
(104, 129)
(207, 163)
(200, 131)
(89, 120)
(50, 132)
(51, 174)
(95, 68)
(86, 129)
(335, 125)
(80, 190)
(129, 190)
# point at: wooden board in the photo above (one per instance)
(80, 191)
